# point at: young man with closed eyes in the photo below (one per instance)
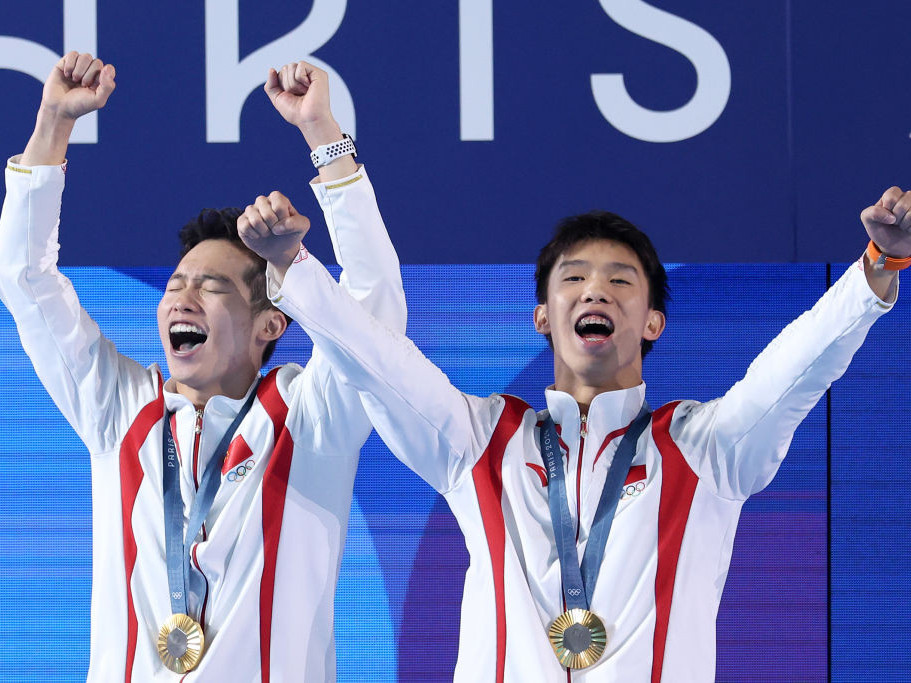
(220, 497)
(572, 577)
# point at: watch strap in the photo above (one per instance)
(326, 154)
(882, 262)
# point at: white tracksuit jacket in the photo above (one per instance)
(272, 544)
(669, 548)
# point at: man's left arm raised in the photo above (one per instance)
(737, 442)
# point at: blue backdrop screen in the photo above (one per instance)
(731, 132)
(405, 554)
(487, 119)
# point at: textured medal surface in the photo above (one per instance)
(180, 643)
(578, 638)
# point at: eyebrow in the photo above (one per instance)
(222, 279)
(613, 264)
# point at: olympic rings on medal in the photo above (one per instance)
(240, 471)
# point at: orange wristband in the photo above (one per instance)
(883, 262)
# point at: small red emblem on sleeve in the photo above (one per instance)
(301, 255)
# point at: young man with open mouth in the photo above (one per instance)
(600, 533)
(220, 498)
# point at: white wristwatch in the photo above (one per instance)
(325, 154)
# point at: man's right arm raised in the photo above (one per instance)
(75, 363)
(426, 422)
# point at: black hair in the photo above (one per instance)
(221, 224)
(604, 225)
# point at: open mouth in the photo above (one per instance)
(594, 328)
(186, 337)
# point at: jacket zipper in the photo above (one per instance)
(583, 432)
(197, 432)
(197, 437)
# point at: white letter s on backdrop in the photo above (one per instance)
(713, 76)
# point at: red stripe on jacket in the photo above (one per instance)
(678, 485)
(131, 475)
(275, 485)
(488, 483)
(607, 439)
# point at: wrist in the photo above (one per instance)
(322, 132)
(882, 282)
(281, 264)
(50, 139)
(51, 116)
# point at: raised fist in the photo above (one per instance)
(273, 228)
(888, 223)
(78, 84)
(300, 93)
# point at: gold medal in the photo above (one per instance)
(578, 638)
(180, 643)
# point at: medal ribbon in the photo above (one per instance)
(178, 547)
(579, 581)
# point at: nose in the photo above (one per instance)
(595, 291)
(185, 300)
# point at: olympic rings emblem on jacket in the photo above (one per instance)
(240, 471)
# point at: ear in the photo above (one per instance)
(654, 325)
(542, 324)
(272, 325)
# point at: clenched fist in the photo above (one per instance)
(888, 222)
(273, 228)
(77, 85)
(300, 93)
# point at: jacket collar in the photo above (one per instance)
(609, 411)
(222, 405)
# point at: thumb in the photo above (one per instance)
(295, 223)
(273, 88)
(878, 214)
(106, 84)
